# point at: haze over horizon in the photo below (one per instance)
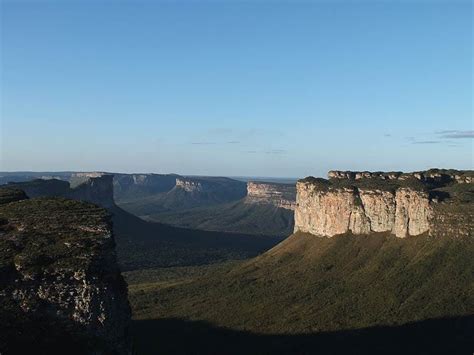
(236, 89)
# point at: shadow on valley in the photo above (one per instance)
(142, 244)
(434, 336)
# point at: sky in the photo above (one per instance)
(236, 88)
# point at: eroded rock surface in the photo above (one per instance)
(279, 195)
(189, 185)
(402, 204)
(60, 287)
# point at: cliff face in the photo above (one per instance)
(189, 185)
(76, 179)
(279, 195)
(402, 204)
(60, 287)
(129, 187)
(218, 189)
(96, 188)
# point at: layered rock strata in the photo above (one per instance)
(402, 204)
(279, 195)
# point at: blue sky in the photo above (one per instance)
(259, 88)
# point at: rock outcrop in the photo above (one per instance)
(279, 195)
(189, 185)
(60, 287)
(402, 204)
(98, 190)
(429, 176)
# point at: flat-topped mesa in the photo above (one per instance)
(279, 195)
(212, 187)
(76, 179)
(129, 186)
(60, 286)
(95, 189)
(401, 204)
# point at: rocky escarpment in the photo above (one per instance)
(60, 287)
(96, 188)
(189, 185)
(133, 186)
(79, 178)
(279, 195)
(402, 204)
(219, 189)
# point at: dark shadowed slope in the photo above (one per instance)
(259, 219)
(130, 187)
(176, 336)
(142, 244)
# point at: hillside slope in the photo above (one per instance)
(142, 244)
(187, 193)
(308, 285)
(237, 217)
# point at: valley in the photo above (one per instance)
(356, 262)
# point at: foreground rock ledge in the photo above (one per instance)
(60, 287)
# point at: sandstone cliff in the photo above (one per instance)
(60, 287)
(402, 204)
(279, 195)
(189, 185)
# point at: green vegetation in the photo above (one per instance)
(237, 217)
(457, 193)
(369, 183)
(142, 244)
(212, 191)
(41, 188)
(48, 233)
(308, 284)
(131, 187)
(10, 195)
(41, 240)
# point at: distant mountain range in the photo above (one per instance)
(196, 202)
(142, 244)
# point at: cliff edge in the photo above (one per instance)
(279, 195)
(96, 188)
(437, 202)
(60, 287)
